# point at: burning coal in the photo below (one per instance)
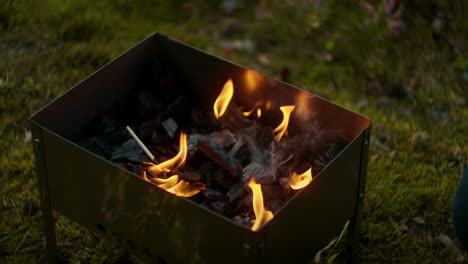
(235, 160)
(171, 164)
(172, 184)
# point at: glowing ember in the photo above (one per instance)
(257, 104)
(302, 103)
(252, 80)
(222, 102)
(268, 105)
(248, 113)
(174, 163)
(299, 181)
(262, 216)
(283, 126)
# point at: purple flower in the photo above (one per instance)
(396, 27)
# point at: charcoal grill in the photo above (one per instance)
(105, 198)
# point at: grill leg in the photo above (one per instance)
(354, 235)
(49, 228)
(46, 205)
(355, 223)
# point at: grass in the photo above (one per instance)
(411, 83)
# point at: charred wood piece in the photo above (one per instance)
(212, 195)
(129, 150)
(170, 126)
(233, 119)
(224, 180)
(219, 206)
(239, 143)
(212, 147)
(254, 169)
(188, 176)
(193, 141)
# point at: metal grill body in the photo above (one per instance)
(105, 198)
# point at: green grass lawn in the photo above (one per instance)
(404, 66)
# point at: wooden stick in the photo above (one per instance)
(145, 149)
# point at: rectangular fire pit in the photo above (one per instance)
(108, 197)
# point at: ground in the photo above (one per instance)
(404, 64)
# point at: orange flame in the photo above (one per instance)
(186, 189)
(222, 102)
(180, 188)
(259, 112)
(166, 183)
(172, 184)
(171, 164)
(283, 126)
(299, 181)
(262, 216)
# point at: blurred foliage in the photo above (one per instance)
(403, 63)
